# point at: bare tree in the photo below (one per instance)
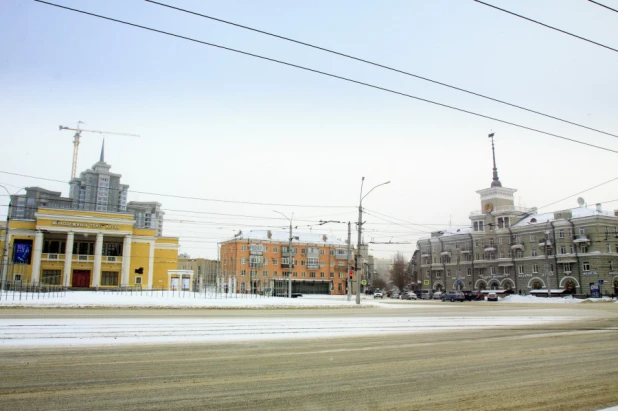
(400, 275)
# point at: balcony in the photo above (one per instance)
(313, 266)
(490, 249)
(445, 253)
(465, 251)
(517, 247)
(542, 243)
(582, 239)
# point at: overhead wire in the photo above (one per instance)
(381, 66)
(603, 5)
(328, 75)
(548, 26)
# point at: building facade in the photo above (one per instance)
(260, 262)
(147, 215)
(88, 249)
(519, 249)
(204, 271)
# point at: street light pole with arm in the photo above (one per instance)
(290, 258)
(360, 227)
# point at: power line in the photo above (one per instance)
(382, 66)
(592, 1)
(329, 75)
(548, 26)
(581, 192)
(186, 197)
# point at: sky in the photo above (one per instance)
(226, 138)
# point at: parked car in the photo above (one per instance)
(453, 296)
(378, 294)
(468, 295)
(492, 297)
(395, 294)
(409, 295)
(426, 294)
(437, 295)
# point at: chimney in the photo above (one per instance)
(599, 209)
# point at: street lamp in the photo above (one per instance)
(290, 258)
(5, 250)
(546, 260)
(360, 228)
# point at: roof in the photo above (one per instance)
(578, 212)
(284, 236)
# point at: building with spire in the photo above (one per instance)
(91, 239)
(518, 249)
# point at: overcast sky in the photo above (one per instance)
(217, 125)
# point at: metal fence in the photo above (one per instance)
(20, 290)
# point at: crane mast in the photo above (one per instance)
(76, 139)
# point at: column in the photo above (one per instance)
(36, 257)
(126, 259)
(98, 253)
(151, 264)
(68, 259)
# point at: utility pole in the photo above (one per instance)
(348, 272)
(291, 257)
(546, 261)
(360, 228)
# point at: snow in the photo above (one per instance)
(212, 326)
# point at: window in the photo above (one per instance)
(109, 278)
(500, 240)
(582, 231)
(583, 248)
(265, 273)
(571, 249)
(275, 274)
(295, 274)
(138, 280)
(448, 273)
(53, 277)
(243, 248)
(275, 261)
(311, 275)
(491, 242)
(332, 263)
(303, 251)
(285, 260)
(341, 275)
(494, 270)
(322, 274)
(322, 252)
(611, 266)
(243, 260)
(243, 272)
(265, 248)
(534, 252)
(567, 268)
(561, 233)
(520, 269)
(586, 266)
(532, 238)
(562, 249)
(332, 275)
(331, 252)
(535, 268)
(275, 249)
(340, 287)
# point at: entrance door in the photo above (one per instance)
(81, 278)
(185, 283)
(174, 283)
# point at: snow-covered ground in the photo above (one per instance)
(272, 324)
(190, 300)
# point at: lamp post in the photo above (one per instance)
(290, 258)
(5, 249)
(546, 261)
(360, 228)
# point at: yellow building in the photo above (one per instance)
(89, 249)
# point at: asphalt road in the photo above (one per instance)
(569, 365)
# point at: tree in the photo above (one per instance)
(399, 274)
(379, 283)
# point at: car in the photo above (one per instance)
(409, 295)
(492, 297)
(437, 295)
(378, 294)
(395, 294)
(426, 294)
(453, 296)
(468, 295)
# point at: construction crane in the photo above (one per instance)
(76, 137)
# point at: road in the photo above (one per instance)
(565, 365)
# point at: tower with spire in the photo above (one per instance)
(497, 202)
(98, 189)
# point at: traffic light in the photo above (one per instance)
(351, 273)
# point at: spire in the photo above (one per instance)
(495, 182)
(102, 159)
